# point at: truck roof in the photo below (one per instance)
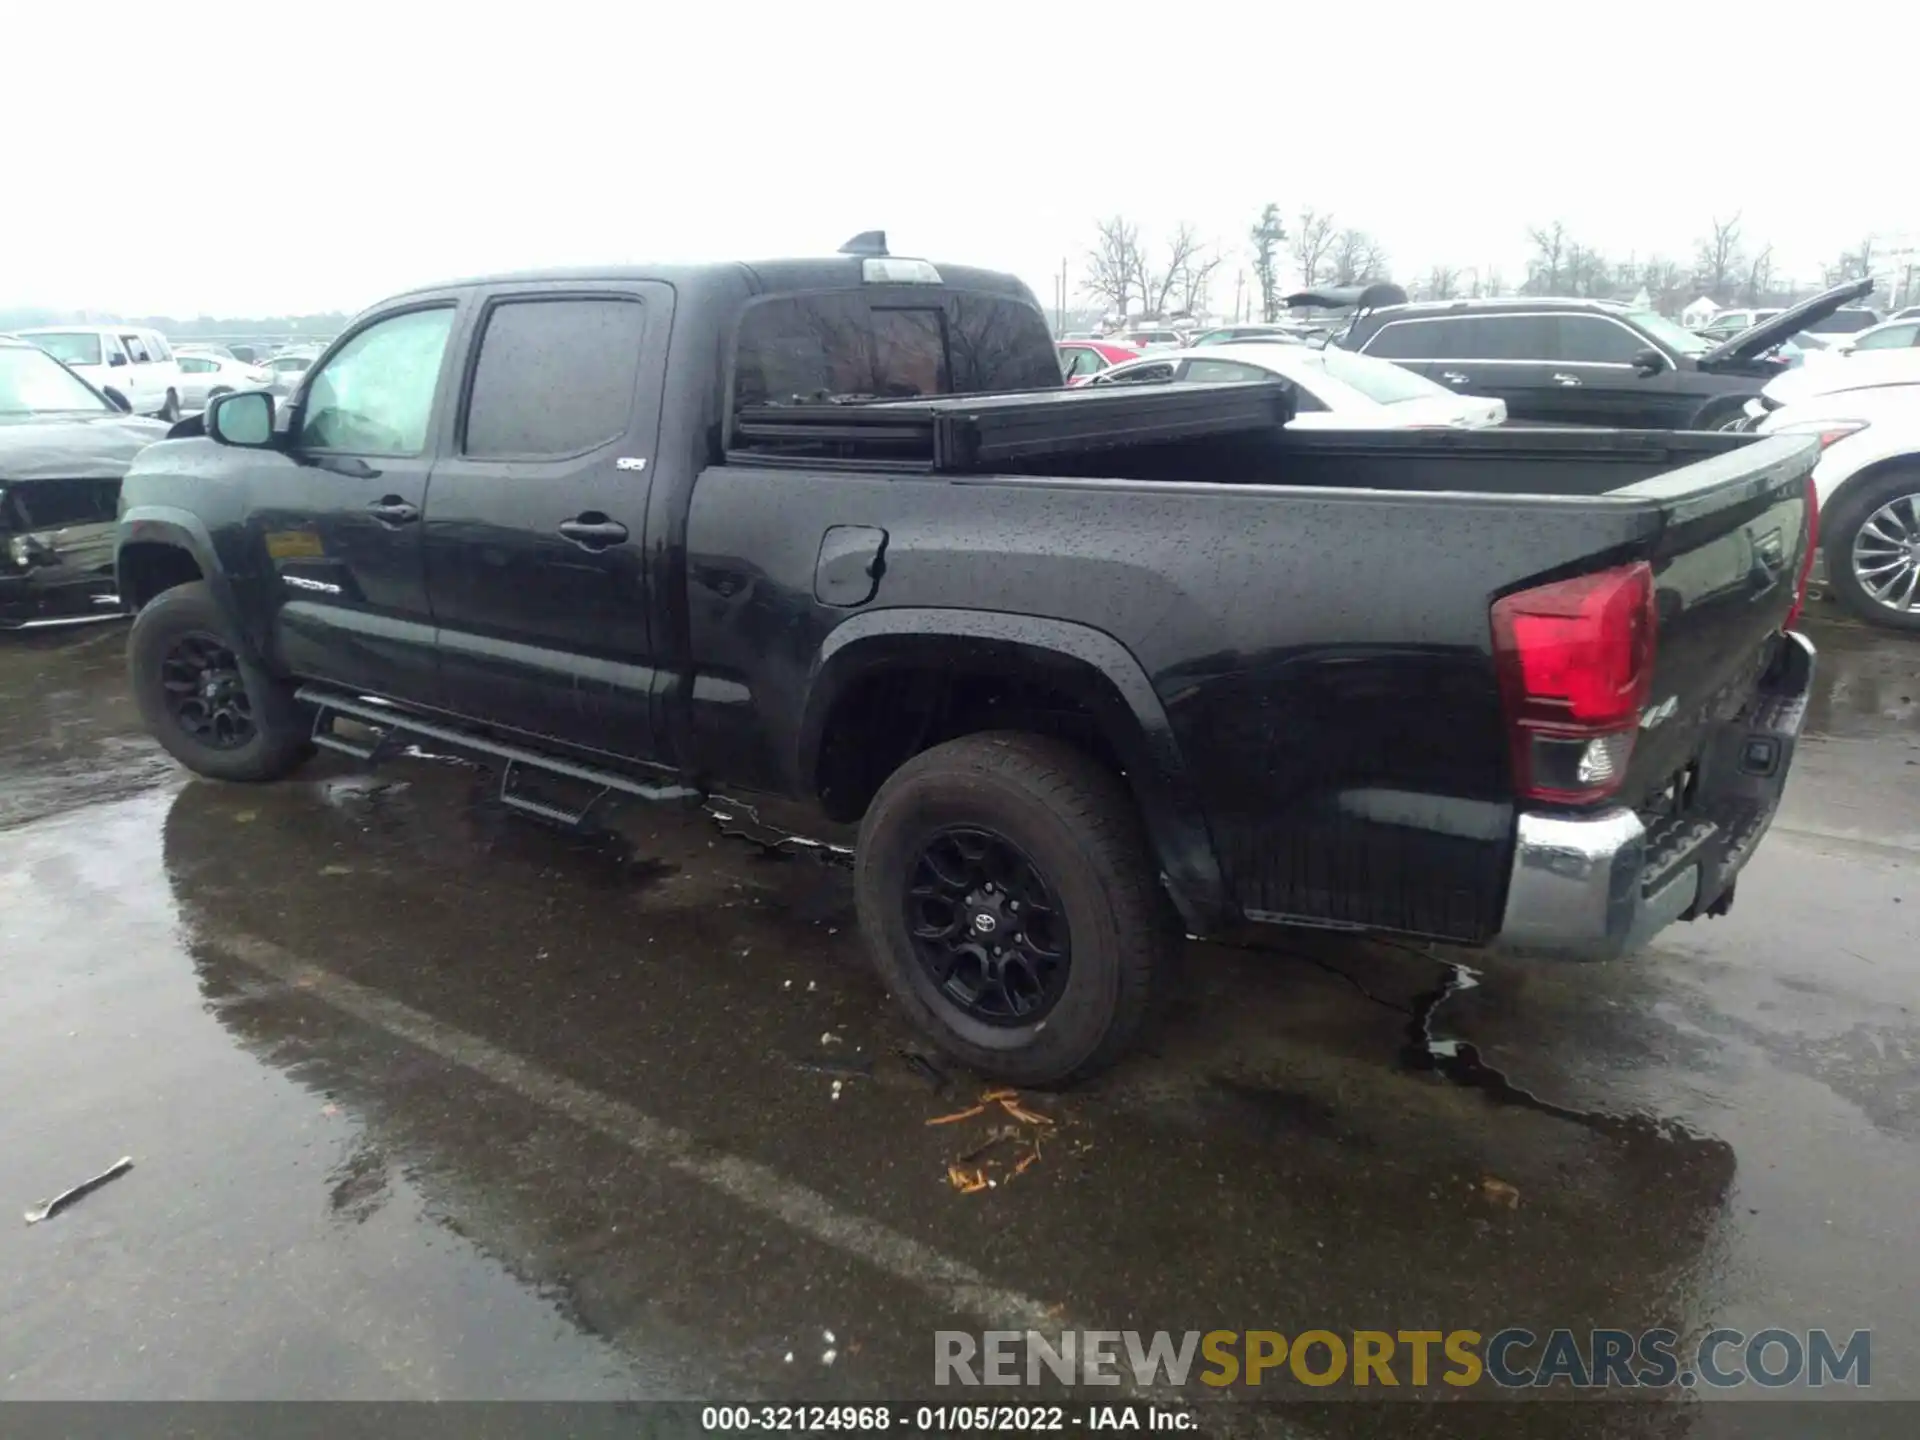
(826, 273)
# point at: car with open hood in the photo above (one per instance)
(1589, 362)
(63, 450)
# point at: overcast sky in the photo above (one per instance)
(314, 154)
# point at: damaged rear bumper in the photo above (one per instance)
(1598, 886)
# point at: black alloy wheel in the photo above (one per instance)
(987, 928)
(206, 695)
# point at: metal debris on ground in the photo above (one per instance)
(86, 1187)
(1006, 1150)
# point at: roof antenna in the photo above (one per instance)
(867, 242)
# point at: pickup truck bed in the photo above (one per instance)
(1073, 659)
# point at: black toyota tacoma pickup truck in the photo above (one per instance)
(1090, 669)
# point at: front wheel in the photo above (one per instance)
(214, 711)
(1872, 542)
(1006, 893)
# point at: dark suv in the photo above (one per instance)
(1588, 362)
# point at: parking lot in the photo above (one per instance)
(426, 1101)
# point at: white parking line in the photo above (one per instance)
(944, 1279)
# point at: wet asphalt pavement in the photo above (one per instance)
(427, 1101)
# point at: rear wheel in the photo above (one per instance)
(1729, 413)
(214, 711)
(1872, 545)
(1006, 893)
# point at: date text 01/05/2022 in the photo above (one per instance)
(1008, 1419)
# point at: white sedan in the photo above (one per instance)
(204, 374)
(1868, 484)
(1333, 389)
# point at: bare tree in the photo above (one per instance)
(1587, 273)
(1759, 279)
(1493, 281)
(1356, 257)
(1853, 264)
(1157, 284)
(1195, 280)
(1664, 280)
(1718, 260)
(1114, 264)
(1443, 282)
(1267, 235)
(1312, 239)
(1545, 271)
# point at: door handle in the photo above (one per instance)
(1453, 377)
(1560, 377)
(593, 531)
(392, 510)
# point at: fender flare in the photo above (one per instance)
(183, 530)
(1088, 663)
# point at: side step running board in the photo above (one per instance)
(735, 818)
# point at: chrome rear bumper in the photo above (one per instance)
(1595, 887)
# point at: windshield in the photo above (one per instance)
(31, 384)
(1381, 381)
(1675, 337)
(76, 347)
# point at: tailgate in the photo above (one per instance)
(1727, 565)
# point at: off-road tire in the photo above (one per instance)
(281, 736)
(1076, 823)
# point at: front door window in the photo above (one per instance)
(374, 396)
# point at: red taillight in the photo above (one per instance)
(1813, 545)
(1575, 660)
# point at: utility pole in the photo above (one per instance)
(1061, 328)
(1239, 289)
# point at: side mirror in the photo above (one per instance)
(1649, 361)
(243, 418)
(116, 360)
(117, 400)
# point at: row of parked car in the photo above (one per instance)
(1827, 367)
(140, 369)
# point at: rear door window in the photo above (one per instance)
(137, 348)
(555, 376)
(1512, 337)
(1596, 340)
(1417, 340)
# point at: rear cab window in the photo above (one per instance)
(889, 343)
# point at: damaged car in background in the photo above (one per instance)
(63, 450)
